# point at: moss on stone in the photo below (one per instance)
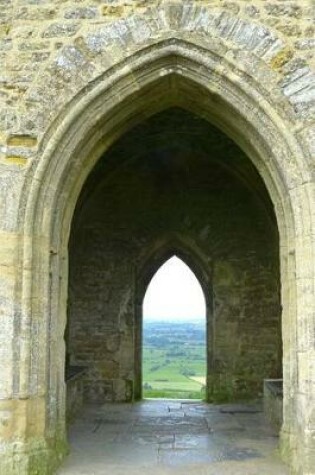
(46, 462)
(281, 58)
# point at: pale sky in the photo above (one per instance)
(174, 293)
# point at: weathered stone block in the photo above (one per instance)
(81, 12)
(60, 30)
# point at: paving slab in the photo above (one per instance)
(172, 438)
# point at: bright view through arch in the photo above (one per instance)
(174, 334)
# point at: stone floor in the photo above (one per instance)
(156, 437)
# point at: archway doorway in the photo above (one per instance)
(184, 189)
(184, 181)
(174, 356)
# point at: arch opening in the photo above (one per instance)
(184, 188)
(174, 334)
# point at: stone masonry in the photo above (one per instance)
(131, 130)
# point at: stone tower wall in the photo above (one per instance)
(75, 76)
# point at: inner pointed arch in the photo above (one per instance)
(174, 339)
(174, 293)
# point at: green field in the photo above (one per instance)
(173, 354)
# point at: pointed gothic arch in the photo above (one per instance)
(172, 71)
(199, 264)
(174, 299)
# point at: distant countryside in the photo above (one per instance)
(174, 360)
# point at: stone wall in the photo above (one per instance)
(175, 175)
(48, 45)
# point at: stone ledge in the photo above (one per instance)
(273, 402)
(75, 390)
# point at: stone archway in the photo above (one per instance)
(172, 71)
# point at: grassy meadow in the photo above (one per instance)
(174, 360)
